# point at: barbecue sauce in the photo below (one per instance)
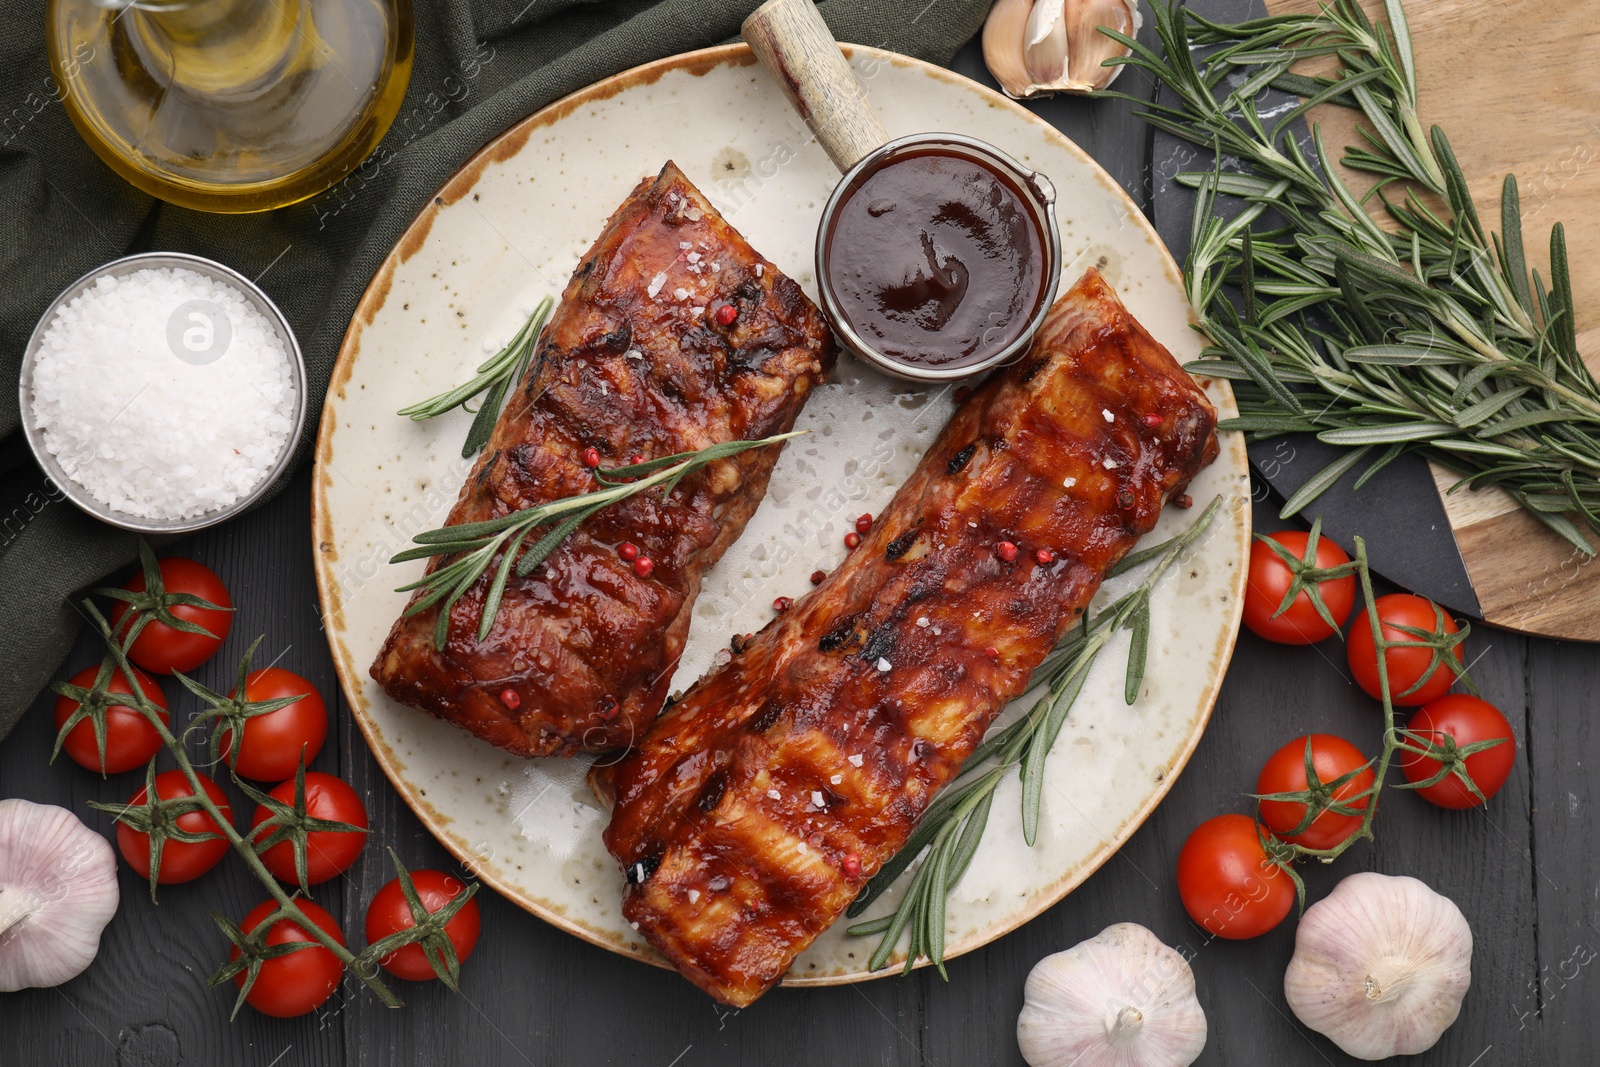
(935, 259)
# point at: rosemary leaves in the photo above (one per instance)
(477, 545)
(1430, 334)
(494, 377)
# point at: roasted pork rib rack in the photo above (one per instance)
(755, 809)
(640, 359)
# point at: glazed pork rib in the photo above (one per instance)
(756, 807)
(636, 361)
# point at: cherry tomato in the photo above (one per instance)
(130, 739)
(1269, 580)
(1406, 665)
(389, 914)
(1228, 883)
(161, 649)
(1456, 720)
(181, 861)
(1285, 772)
(298, 981)
(328, 852)
(272, 743)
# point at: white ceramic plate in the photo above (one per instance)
(509, 228)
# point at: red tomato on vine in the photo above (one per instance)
(329, 851)
(1336, 784)
(1278, 604)
(273, 744)
(129, 738)
(390, 912)
(298, 981)
(1228, 881)
(179, 861)
(190, 614)
(1418, 673)
(1466, 736)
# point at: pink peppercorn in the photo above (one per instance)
(782, 604)
(852, 539)
(864, 524)
(510, 699)
(643, 566)
(726, 314)
(1006, 551)
(1044, 555)
(851, 865)
(591, 457)
(818, 576)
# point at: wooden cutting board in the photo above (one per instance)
(1513, 85)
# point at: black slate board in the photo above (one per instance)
(1399, 511)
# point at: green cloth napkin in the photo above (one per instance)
(63, 213)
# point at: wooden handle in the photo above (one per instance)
(796, 46)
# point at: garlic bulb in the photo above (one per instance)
(1039, 47)
(1119, 999)
(1380, 966)
(58, 889)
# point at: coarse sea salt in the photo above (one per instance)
(164, 394)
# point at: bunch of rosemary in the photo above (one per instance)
(1427, 334)
(954, 823)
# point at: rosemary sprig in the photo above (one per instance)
(477, 544)
(1432, 338)
(950, 831)
(493, 378)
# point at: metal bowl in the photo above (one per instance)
(121, 268)
(1041, 201)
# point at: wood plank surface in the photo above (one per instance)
(1523, 872)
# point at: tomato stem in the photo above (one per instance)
(144, 706)
(1392, 739)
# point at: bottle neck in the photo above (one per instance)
(221, 47)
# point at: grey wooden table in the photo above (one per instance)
(1523, 872)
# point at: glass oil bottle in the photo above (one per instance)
(231, 105)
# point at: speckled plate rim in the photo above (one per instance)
(372, 300)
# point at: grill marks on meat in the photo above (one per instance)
(832, 731)
(627, 366)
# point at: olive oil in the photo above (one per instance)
(232, 105)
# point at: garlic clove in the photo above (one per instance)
(1380, 966)
(1088, 48)
(1119, 999)
(1005, 28)
(1039, 47)
(1045, 44)
(58, 889)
